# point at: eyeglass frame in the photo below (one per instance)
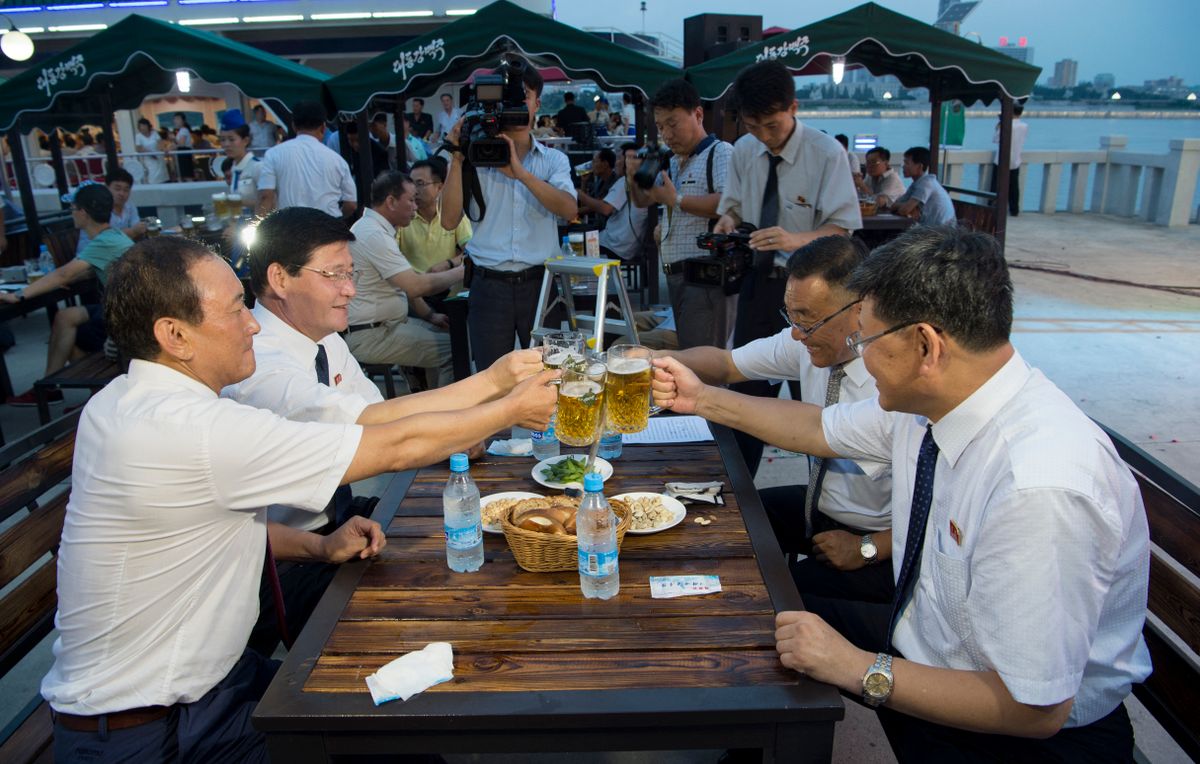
(856, 342)
(811, 330)
(352, 275)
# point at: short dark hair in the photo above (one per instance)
(96, 201)
(1018, 109)
(918, 154)
(952, 278)
(675, 94)
(118, 175)
(388, 183)
(436, 165)
(260, 107)
(144, 121)
(569, 97)
(308, 115)
(629, 145)
(288, 236)
(419, 100)
(842, 139)
(763, 88)
(150, 281)
(379, 118)
(607, 155)
(182, 116)
(833, 258)
(626, 98)
(882, 152)
(530, 77)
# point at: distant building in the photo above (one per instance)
(1066, 73)
(1023, 53)
(1170, 86)
(1104, 81)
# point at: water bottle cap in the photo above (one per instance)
(593, 483)
(458, 462)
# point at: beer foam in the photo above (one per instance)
(628, 365)
(579, 389)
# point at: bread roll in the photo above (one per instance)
(542, 524)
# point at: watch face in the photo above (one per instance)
(869, 551)
(877, 684)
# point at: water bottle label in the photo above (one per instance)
(463, 538)
(536, 436)
(598, 564)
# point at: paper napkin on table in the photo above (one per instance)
(514, 447)
(412, 673)
(701, 493)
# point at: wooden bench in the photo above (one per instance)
(1172, 632)
(92, 372)
(33, 486)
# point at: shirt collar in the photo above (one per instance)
(856, 372)
(152, 372)
(290, 341)
(955, 431)
(791, 149)
(380, 220)
(246, 161)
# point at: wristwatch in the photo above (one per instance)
(678, 206)
(870, 552)
(878, 682)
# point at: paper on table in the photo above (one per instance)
(412, 673)
(671, 429)
(668, 587)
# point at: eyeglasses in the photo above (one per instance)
(808, 331)
(340, 276)
(857, 342)
(875, 162)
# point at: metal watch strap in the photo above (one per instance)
(882, 665)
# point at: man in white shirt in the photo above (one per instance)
(1020, 130)
(380, 328)
(446, 118)
(625, 233)
(166, 529)
(1021, 546)
(304, 172)
(882, 183)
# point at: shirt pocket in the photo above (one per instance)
(797, 218)
(952, 583)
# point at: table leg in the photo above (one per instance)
(43, 403)
(460, 344)
(796, 743)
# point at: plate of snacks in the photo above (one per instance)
(651, 512)
(493, 507)
(546, 514)
(558, 471)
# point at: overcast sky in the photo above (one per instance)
(1136, 41)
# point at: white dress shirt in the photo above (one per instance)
(848, 494)
(303, 172)
(518, 232)
(243, 179)
(1019, 132)
(285, 383)
(165, 535)
(377, 254)
(1036, 556)
(625, 228)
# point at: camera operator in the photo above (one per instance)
(517, 232)
(689, 192)
(791, 182)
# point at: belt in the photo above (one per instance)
(119, 720)
(512, 277)
(360, 327)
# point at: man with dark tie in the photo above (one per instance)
(1021, 548)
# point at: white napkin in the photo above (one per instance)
(699, 493)
(515, 447)
(412, 673)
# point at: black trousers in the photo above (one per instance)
(758, 316)
(1014, 188)
(498, 311)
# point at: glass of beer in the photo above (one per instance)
(627, 388)
(219, 206)
(580, 401)
(558, 347)
(153, 227)
(233, 203)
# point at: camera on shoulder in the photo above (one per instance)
(492, 103)
(727, 266)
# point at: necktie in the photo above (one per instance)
(343, 496)
(817, 465)
(770, 207)
(277, 596)
(918, 518)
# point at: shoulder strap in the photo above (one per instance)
(709, 169)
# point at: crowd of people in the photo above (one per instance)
(971, 551)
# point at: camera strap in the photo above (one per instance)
(472, 191)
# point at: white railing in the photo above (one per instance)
(1157, 188)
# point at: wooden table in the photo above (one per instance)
(537, 667)
(883, 227)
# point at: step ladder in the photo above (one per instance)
(561, 271)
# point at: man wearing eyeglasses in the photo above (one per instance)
(302, 273)
(842, 520)
(426, 245)
(1021, 547)
(389, 320)
(881, 182)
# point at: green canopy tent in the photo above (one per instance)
(886, 42)
(119, 66)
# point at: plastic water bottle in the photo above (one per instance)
(596, 529)
(565, 249)
(463, 526)
(610, 445)
(45, 260)
(545, 444)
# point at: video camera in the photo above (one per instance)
(727, 266)
(653, 162)
(494, 102)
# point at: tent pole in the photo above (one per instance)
(1003, 154)
(935, 126)
(366, 169)
(110, 142)
(401, 136)
(60, 170)
(28, 205)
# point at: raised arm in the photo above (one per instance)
(713, 365)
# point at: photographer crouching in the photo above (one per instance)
(520, 187)
(791, 182)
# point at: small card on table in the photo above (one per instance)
(666, 587)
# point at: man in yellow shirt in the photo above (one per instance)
(429, 247)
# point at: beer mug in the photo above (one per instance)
(153, 227)
(627, 388)
(559, 346)
(580, 402)
(219, 208)
(234, 203)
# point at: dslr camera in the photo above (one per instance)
(727, 266)
(494, 102)
(653, 162)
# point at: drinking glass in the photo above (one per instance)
(627, 388)
(558, 347)
(580, 401)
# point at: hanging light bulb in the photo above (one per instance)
(16, 44)
(184, 81)
(839, 69)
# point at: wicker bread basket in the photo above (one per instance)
(547, 552)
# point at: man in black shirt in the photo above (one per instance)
(569, 114)
(421, 121)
